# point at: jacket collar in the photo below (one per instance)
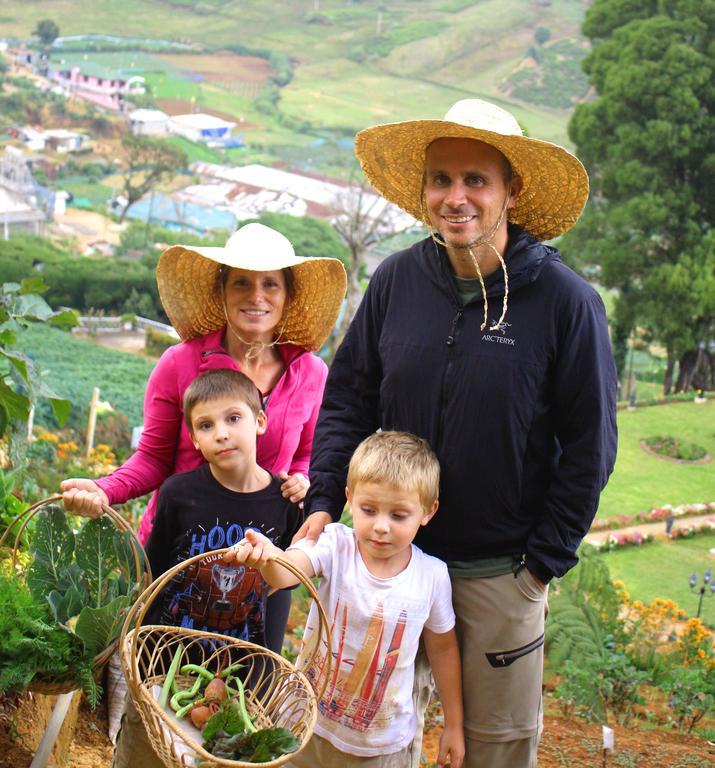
(525, 257)
(213, 353)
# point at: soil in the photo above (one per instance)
(215, 66)
(566, 743)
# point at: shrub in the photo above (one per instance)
(673, 447)
(157, 342)
(599, 686)
(691, 697)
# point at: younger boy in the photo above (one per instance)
(381, 594)
(209, 508)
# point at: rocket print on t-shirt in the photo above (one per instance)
(357, 687)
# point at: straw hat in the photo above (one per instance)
(189, 285)
(555, 184)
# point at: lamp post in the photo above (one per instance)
(703, 588)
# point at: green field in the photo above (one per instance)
(73, 366)
(641, 481)
(354, 65)
(662, 569)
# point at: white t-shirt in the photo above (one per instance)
(376, 625)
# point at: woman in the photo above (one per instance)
(253, 306)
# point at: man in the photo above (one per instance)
(482, 341)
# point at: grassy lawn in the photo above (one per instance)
(641, 481)
(662, 569)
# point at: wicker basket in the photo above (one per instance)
(278, 695)
(66, 683)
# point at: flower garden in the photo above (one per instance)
(632, 663)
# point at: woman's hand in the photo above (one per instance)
(294, 487)
(83, 497)
(312, 527)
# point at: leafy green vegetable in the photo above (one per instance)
(78, 588)
(98, 627)
(96, 555)
(259, 747)
(32, 645)
(53, 548)
(227, 720)
(226, 735)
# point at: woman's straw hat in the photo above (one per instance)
(555, 184)
(190, 285)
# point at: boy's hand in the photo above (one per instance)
(451, 747)
(294, 487)
(83, 497)
(254, 550)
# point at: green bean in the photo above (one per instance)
(243, 712)
(187, 693)
(231, 669)
(171, 674)
(195, 669)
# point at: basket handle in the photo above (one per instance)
(27, 514)
(137, 613)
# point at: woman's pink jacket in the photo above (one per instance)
(165, 447)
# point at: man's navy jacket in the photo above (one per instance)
(522, 418)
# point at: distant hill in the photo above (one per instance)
(358, 62)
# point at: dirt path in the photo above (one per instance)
(565, 742)
(656, 529)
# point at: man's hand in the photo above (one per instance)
(294, 487)
(83, 497)
(312, 527)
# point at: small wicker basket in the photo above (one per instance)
(278, 695)
(66, 682)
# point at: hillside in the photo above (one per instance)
(360, 62)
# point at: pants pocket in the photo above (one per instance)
(528, 586)
(507, 658)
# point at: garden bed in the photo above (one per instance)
(662, 452)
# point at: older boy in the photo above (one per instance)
(383, 593)
(210, 508)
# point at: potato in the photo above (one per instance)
(200, 716)
(215, 691)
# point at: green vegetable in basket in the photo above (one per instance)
(259, 747)
(230, 734)
(169, 681)
(74, 599)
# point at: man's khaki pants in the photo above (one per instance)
(500, 628)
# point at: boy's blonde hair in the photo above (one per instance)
(219, 383)
(400, 459)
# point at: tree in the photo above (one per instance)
(542, 35)
(47, 31)
(363, 220)
(648, 141)
(147, 162)
(21, 380)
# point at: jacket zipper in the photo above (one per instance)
(451, 342)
